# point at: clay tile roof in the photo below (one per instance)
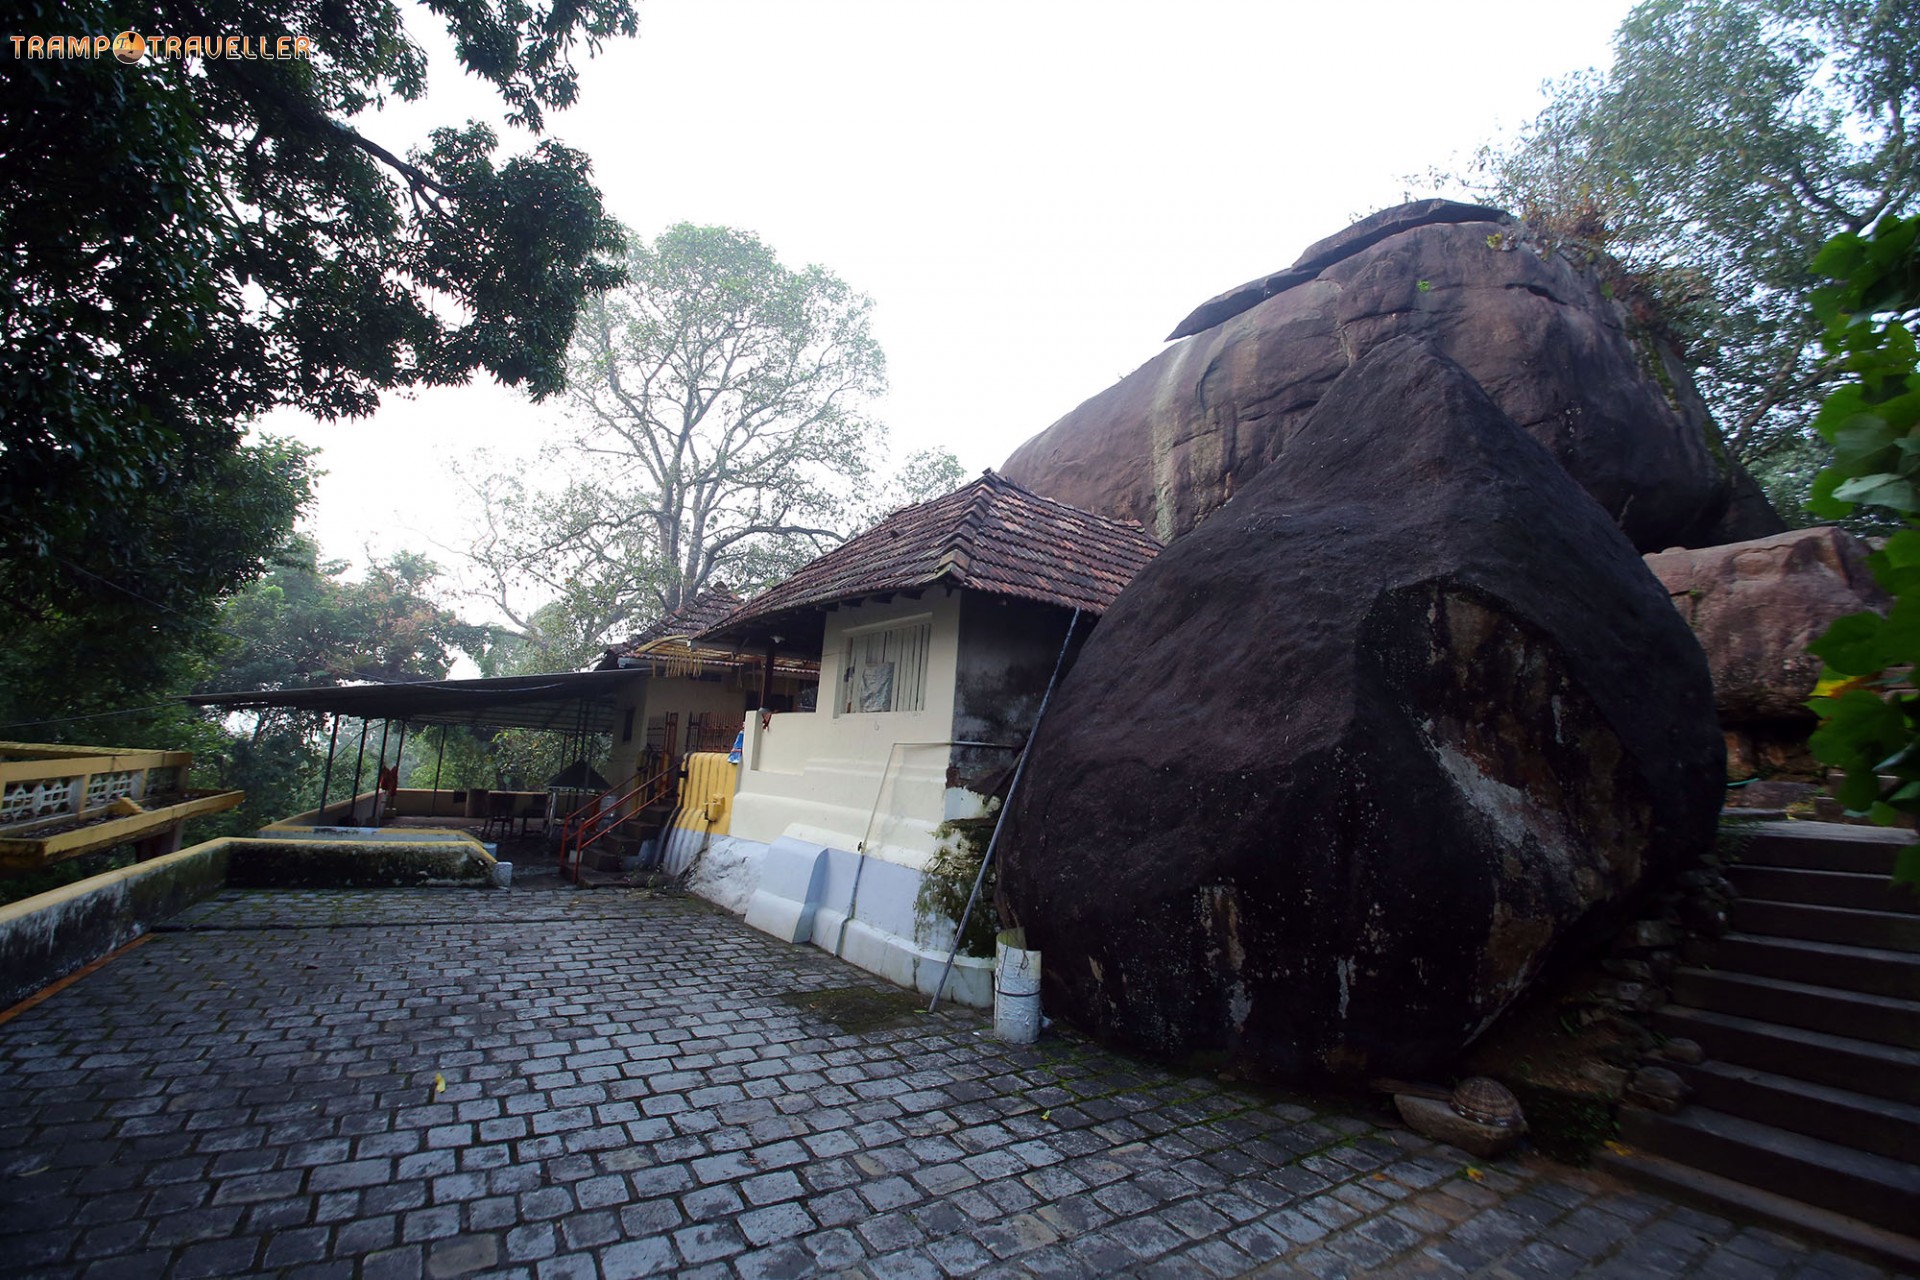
(690, 619)
(991, 535)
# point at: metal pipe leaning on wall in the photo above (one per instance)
(1013, 788)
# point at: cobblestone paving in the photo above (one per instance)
(626, 1094)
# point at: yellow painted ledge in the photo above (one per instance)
(54, 899)
(27, 854)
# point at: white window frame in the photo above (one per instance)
(903, 647)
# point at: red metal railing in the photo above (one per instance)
(581, 831)
(566, 821)
(658, 757)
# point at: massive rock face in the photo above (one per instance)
(1755, 607)
(1343, 769)
(1542, 334)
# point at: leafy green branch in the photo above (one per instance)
(1868, 708)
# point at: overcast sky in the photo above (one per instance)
(1032, 193)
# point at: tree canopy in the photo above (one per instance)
(137, 605)
(719, 430)
(1727, 142)
(192, 241)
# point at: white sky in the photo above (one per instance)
(1032, 193)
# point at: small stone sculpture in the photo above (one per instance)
(1480, 1115)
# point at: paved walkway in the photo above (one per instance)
(560, 1085)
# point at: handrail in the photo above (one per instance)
(568, 825)
(598, 802)
(627, 817)
(573, 846)
(569, 818)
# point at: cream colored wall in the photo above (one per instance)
(625, 755)
(652, 698)
(816, 775)
(725, 699)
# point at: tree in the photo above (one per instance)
(192, 241)
(137, 614)
(924, 475)
(1729, 140)
(302, 626)
(719, 432)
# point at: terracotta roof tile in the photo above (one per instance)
(690, 619)
(991, 535)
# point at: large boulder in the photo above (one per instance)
(1541, 330)
(1345, 769)
(1757, 605)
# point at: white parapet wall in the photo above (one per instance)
(861, 909)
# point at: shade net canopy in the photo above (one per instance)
(569, 701)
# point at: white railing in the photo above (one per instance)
(46, 783)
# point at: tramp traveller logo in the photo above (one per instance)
(131, 48)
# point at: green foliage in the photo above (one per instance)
(523, 759)
(134, 615)
(1727, 142)
(189, 244)
(1565, 1125)
(15, 888)
(948, 881)
(303, 625)
(562, 635)
(923, 476)
(454, 755)
(1870, 714)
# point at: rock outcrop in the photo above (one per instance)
(1755, 607)
(1538, 327)
(1343, 770)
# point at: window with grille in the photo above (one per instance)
(887, 670)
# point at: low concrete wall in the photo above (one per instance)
(422, 802)
(307, 863)
(46, 937)
(416, 802)
(365, 835)
(860, 909)
(338, 810)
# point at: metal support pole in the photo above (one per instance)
(1013, 788)
(326, 779)
(438, 760)
(399, 754)
(353, 796)
(386, 727)
(766, 679)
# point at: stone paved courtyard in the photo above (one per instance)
(638, 1085)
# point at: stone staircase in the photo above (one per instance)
(1806, 1107)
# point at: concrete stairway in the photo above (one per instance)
(1807, 1106)
(607, 854)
